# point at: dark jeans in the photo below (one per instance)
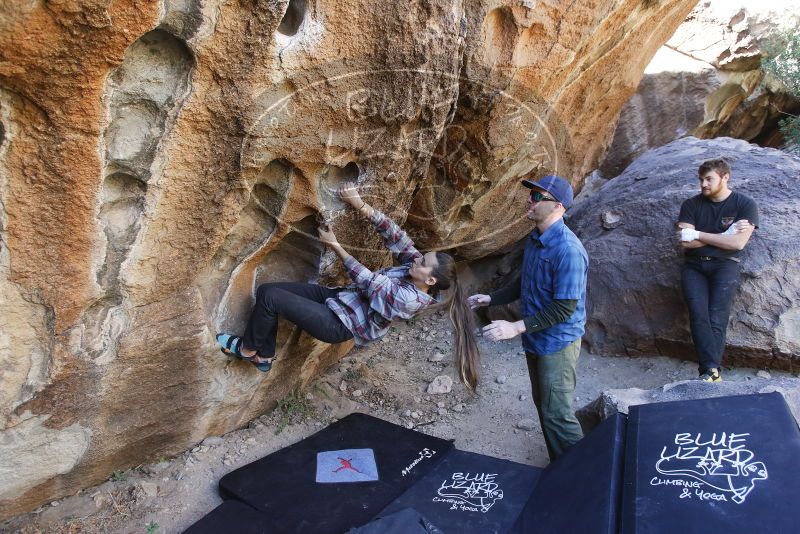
(553, 385)
(302, 304)
(708, 289)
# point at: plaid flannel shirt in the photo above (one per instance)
(368, 306)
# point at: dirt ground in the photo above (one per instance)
(388, 379)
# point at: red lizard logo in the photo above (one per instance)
(346, 465)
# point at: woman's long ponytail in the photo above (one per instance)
(465, 346)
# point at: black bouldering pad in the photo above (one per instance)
(232, 517)
(471, 493)
(726, 464)
(580, 492)
(405, 521)
(283, 485)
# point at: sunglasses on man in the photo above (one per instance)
(538, 196)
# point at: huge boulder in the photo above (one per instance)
(158, 160)
(628, 228)
(707, 81)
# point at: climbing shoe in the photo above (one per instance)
(710, 375)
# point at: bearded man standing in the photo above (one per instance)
(715, 226)
(552, 290)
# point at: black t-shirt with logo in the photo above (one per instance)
(715, 218)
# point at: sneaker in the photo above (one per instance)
(710, 375)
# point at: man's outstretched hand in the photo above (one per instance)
(478, 301)
(500, 330)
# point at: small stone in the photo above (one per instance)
(522, 397)
(309, 396)
(250, 441)
(54, 503)
(343, 386)
(155, 469)
(196, 449)
(358, 393)
(213, 441)
(414, 415)
(612, 219)
(764, 374)
(407, 413)
(440, 404)
(502, 379)
(227, 461)
(428, 338)
(440, 385)
(179, 476)
(101, 499)
(459, 407)
(409, 424)
(436, 357)
(525, 424)
(401, 338)
(149, 488)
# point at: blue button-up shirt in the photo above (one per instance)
(555, 266)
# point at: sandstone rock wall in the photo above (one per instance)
(158, 160)
(706, 81)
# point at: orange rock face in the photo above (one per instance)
(160, 160)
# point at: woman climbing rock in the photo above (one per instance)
(364, 309)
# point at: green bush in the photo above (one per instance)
(293, 408)
(783, 63)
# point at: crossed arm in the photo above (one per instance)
(733, 241)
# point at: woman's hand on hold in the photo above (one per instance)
(326, 236)
(349, 194)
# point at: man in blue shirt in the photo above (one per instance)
(552, 291)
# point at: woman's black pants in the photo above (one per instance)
(302, 304)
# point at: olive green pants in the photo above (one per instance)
(553, 386)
